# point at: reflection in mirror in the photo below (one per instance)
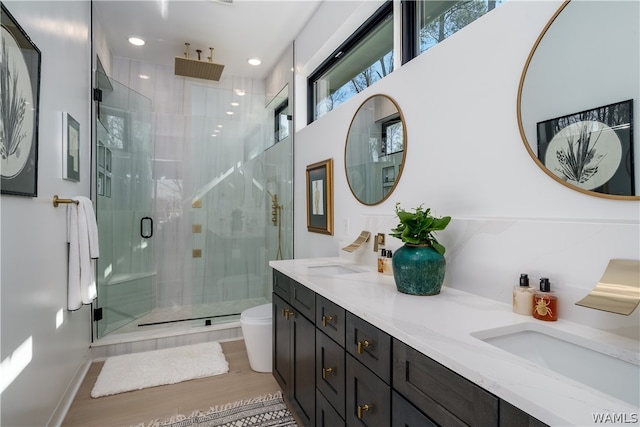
(375, 150)
(279, 110)
(577, 90)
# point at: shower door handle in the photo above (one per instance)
(146, 233)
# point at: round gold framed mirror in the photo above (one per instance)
(575, 100)
(375, 150)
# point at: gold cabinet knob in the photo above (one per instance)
(363, 344)
(326, 319)
(362, 409)
(326, 371)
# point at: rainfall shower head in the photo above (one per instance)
(207, 70)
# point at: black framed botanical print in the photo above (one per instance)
(20, 97)
(592, 149)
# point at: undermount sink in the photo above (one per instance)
(611, 370)
(332, 269)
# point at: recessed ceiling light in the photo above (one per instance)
(216, 130)
(239, 92)
(219, 126)
(235, 104)
(230, 113)
(144, 77)
(254, 61)
(136, 41)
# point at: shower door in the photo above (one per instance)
(125, 269)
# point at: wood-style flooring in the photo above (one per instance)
(143, 406)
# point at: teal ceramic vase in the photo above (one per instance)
(418, 269)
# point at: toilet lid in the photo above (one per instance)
(260, 312)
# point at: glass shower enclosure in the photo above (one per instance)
(124, 194)
(185, 202)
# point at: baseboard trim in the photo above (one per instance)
(58, 416)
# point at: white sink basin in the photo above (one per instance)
(608, 369)
(332, 269)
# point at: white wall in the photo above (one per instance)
(34, 249)
(465, 158)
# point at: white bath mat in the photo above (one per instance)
(153, 368)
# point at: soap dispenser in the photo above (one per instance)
(523, 297)
(381, 258)
(545, 303)
(387, 266)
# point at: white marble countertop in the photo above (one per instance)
(440, 327)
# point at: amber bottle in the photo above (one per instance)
(545, 303)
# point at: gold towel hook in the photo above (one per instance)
(57, 201)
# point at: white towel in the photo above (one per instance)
(82, 235)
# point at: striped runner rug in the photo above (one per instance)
(264, 411)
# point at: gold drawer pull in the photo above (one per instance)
(362, 409)
(287, 313)
(363, 344)
(326, 319)
(326, 371)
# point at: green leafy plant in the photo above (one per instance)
(419, 227)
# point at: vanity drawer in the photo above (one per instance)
(282, 285)
(326, 415)
(512, 416)
(368, 397)
(446, 397)
(404, 414)
(303, 299)
(369, 345)
(330, 319)
(330, 370)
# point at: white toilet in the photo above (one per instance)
(256, 328)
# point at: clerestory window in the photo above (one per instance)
(365, 58)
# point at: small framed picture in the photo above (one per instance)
(320, 197)
(592, 149)
(70, 148)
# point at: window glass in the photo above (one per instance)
(281, 116)
(392, 137)
(438, 20)
(360, 62)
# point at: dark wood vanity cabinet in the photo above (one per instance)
(352, 356)
(444, 396)
(330, 371)
(294, 346)
(336, 369)
(368, 397)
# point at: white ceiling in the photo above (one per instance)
(238, 31)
